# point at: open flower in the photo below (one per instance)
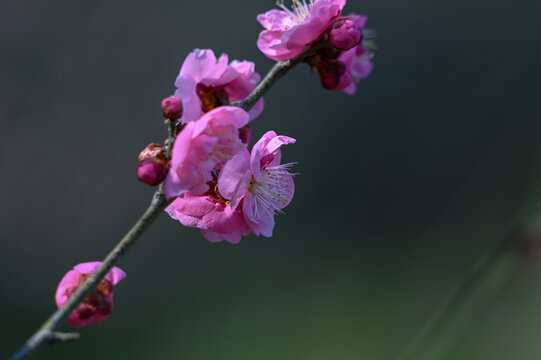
(202, 147)
(340, 69)
(259, 180)
(98, 306)
(212, 214)
(288, 31)
(205, 83)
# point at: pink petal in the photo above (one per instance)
(223, 219)
(263, 224)
(203, 66)
(212, 236)
(233, 238)
(196, 206)
(257, 109)
(359, 20)
(321, 17)
(88, 267)
(70, 279)
(275, 20)
(191, 103)
(232, 178)
(273, 46)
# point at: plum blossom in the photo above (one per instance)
(358, 60)
(205, 83)
(288, 31)
(339, 69)
(258, 183)
(212, 214)
(358, 65)
(202, 147)
(96, 307)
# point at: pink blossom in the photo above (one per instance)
(210, 213)
(259, 183)
(339, 69)
(205, 83)
(202, 147)
(98, 306)
(288, 31)
(358, 60)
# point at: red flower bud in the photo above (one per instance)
(344, 35)
(330, 71)
(172, 108)
(153, 165)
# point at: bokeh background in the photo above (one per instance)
(402, 188)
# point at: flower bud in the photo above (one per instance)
(330, 72)
(344, 35)
(153, 165)
(172, 108)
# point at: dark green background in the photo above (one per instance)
(402, 188)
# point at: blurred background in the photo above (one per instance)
(403, 187)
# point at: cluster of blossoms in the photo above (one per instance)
(210, 178)
(344, 47)
(214, 183)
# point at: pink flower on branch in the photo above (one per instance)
(96, 307)
(288, 31)
(259, 183)
(205, 83)
(341, 69)
(202, 147)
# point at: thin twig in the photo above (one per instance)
(277, 71)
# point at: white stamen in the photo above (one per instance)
(273, 187)
(299, 10)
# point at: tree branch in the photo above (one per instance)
(276, 72)
(47, 332)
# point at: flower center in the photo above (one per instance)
(273, 190)
(98, 302)
(214, 193)
(224, 148)
(299, 9)
(211, 97)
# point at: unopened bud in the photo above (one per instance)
(153, 165)
(344, 35)
(172, 108)
(245, 134)
(330, 71)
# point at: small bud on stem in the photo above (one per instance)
(172, 108)
(153, 165)
(344, 35)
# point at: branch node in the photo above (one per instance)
(54, 337)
